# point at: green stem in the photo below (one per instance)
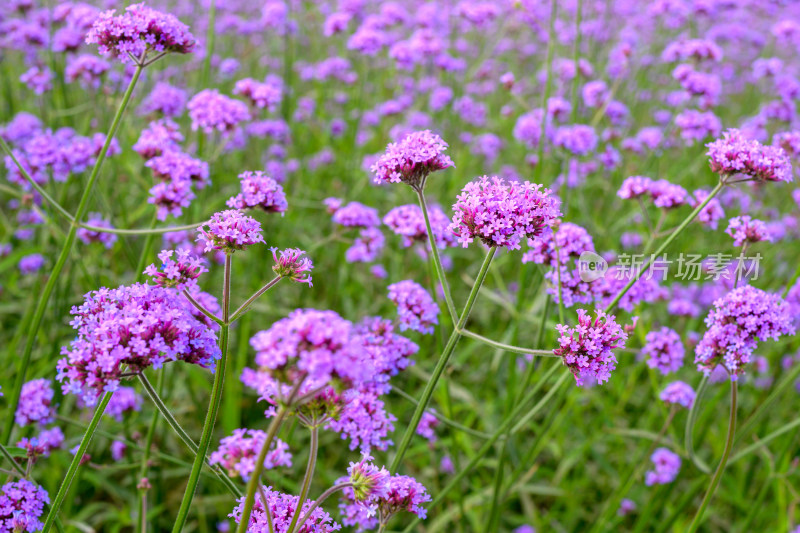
(487, 446)
(213, 406)
(4, 451)
(698, 518)
(324, 496)
(763, 441)
(245, 306)
(210, 37)
(786, 383)
(637, 274)
(148, 444)
(437, 262)
(691, 420)
(148, 244)
(576, 52)
(143, 231)
(442, 362)
(506, 347)
(255, 477)
(446, 421)
(312, 462)
(76, 463)
(44, 297)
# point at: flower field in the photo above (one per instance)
(399, 266)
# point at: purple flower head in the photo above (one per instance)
(415, 308)
(528, 128)
(409, 222)
(118, 449)
(678, 393)
(366, 247)
(282, 508)
(170, 197)
(634, 187)
(308, 349)
(578, 139)
(124, 400)
(626, 507)
(736, 155)
(21, 505)
(31, 264)
(181, 272)
(356, 215)
(42, 444)
(404, 493)
(260, 94)
(259, 191)
(667, 195)
(129, 329)
(748, 230)
(369, 482)
(174, 165)
(664, 350)
(39, 79)
(166, 99)
(363, 419)
(21, 128)
(237, 453)
(411, 160)
(86, 68)
(158, 137)
(88, 236)
(736, 323)
(291, 264)
(211, 111)
(587, 348)
(229, 231)
(386, 352)
(137, 32)
(502, 214)
(35, 403)
(666, 466)
(696, 126)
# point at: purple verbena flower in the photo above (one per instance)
(237, 453)
(415, 307)
(35, 403)
(181, 272)
(678, 393)
(229, 231)
(736, 155)
(211, 111)
(158, 137)
(745, 229)
(282, 508)
(259, 191)
(356, 215)
(88, 236)
(21, 505)
(409, 222)
(587, 348)
(291, 264)
(666, 466)
(664, 350)
(412, 159)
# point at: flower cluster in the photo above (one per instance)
(291, 264)
(712, 213)
(21, 505)
(664, 350)
(279, 513)
(259, 191)
(666, 466)
(260, 94)
(415, 307)
(663, 193)
(181, 272)
(570, 239)
(502, 214)
(211, 111)
(138, 31)
(237, 453)
(745, 229)
(42, 444)
(129, 329)
(737, 322)
(678, 393)
(124, 400)
(408, 221)
(734, 154)
(158, 137)
(427, 425)
(356, 215)
(229, 231)
(376, 495)
(176, 166)
(587, 348)
(35, 403)
(412, 159)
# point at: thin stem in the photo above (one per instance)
(636, 275)
(698, 518)
(576, 51)
(487, 446)
(213, 406)
(245, 306)
(4, 451)
(148, 444)
(210, 37)
(561, 316)
(442, 362)
(691, 420)
(312, 462)
(506, 347)
(76, 463)
(324, 496)
(66, 250)
(255, 476)
(202, 309)
(148, 244)
(35, 185)
(786, 383)
(437, 262)
(143, 231)
(442, 418)
(763, 441)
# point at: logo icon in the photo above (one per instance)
(591, 267)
